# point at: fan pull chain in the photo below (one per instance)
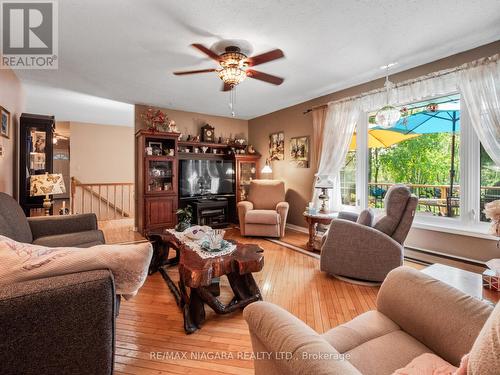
(232, 101)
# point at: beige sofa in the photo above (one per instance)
(264, 213)
(415, 314)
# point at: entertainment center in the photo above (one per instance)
(171, 174)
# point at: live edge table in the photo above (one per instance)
(199, 278)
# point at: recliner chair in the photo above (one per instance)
(264, 213)
(356, 248)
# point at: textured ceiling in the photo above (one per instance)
(126, 50)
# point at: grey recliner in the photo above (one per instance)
(52, 231)
(360, 248)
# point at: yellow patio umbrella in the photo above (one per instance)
(382, 138)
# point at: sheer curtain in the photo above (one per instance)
(340, 121)
(480, 89)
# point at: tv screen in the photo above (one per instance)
(205, 177)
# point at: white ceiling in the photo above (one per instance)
(126, 50)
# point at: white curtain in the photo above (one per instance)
(340, 122)
(480, 89)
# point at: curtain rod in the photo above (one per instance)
(472, 64)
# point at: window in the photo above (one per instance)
(489, 181)
(421, 151)
(348, 176)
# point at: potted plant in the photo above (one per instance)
(184, 216)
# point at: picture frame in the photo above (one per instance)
(299, 151)
(277, 146)
(156, 148)
(5, 122)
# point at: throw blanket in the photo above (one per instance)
(128, 263)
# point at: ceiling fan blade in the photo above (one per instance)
(226, 87)
(264, 77)
(265, 57)
(194, 72)
(206, 51)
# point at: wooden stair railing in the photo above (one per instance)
(106, 202)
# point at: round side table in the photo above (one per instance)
(312, 221)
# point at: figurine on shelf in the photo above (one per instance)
(220, 140)
(179, 138)
(188, 138)
(250, 149)
(172, 126)
(196, 138)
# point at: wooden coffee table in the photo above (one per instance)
(468, 282)
(199, 278)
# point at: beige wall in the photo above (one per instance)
(101, 153)
(191, 122)
(299, 181)
(12, 99)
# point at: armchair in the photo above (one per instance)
(264, 213)
(52, 231)
(357, 249)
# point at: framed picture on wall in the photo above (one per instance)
(4, 122)
(299, 151)
(277, 146)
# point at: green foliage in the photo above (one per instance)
(185, 214)
(422, 160)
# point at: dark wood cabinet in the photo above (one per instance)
(156, 180)
(35, 155)
(246, 171)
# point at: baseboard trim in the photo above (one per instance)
(294, 248)
(473, 262)
(297, 228)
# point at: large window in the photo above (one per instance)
(348, 176)
(421, 151)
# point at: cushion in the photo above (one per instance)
(266, 194)
(363, 328)
(128, 263)
(261, 230)
(395, 203)
(366, 217)
(79, 239)
(484, 357)
(13, 222)
(427, 364)
(269, 217)
(385, 354)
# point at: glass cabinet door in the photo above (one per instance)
(160, 176)
(248, 172)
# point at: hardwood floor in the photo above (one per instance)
(151, 322)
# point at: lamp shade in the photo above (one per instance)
(47, 184)
(324, 182)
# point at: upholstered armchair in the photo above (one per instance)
(264, 213)
(362, 248)
(51, 231)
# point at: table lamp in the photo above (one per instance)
(324, 183)
(47, 184)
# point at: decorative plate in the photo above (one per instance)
(205, 245)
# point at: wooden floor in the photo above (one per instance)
(151, 321)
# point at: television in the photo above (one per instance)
(205, 177)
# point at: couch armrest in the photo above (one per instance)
(292, 345)
(243, 208)
(53, 225)
(347, 215)
(282, 209)
(365, 251)
(438, 315)
(60, 324)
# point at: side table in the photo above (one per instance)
(312, 221)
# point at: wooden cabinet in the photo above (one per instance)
(35, 155)
(246, 171)
(160, 212)
(156, 180)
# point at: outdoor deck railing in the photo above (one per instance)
(432, 198)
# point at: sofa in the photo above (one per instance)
(58, 325)
(415, 314)
(264, 213)
(361, 247)
(52, 231)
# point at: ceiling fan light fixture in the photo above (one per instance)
(232, 76)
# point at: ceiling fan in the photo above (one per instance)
(234, 66)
